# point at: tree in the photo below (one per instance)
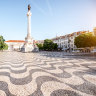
(85, 40)
(40, 46)
(49, 45)
(55, 46)
(3, 46)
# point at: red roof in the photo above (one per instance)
(22, 41)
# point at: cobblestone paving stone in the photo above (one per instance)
(46, 74)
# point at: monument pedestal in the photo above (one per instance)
(28, 46)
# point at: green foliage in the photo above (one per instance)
(2, 39)
(3, 46)
(85, 40)
(40, 46)
(49, 45)
(55, 46)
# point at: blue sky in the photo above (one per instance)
(49, 17)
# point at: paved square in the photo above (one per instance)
(46, 74)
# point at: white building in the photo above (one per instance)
(15, 45)
(66, 42)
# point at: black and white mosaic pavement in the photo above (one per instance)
(46, 74)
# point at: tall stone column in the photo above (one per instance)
(28, 46)
(29, 14)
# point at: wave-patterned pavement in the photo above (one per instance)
(46, 74)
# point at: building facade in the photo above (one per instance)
(17, 45)
(66, 42)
